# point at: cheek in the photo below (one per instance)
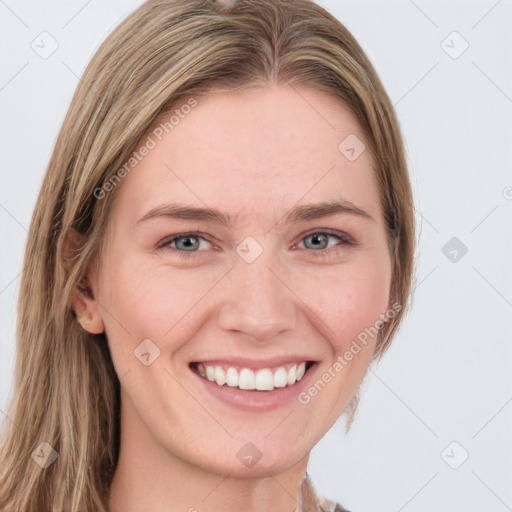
(348, 299)
(144, 300)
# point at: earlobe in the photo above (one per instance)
(87, 312)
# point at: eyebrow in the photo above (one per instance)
(297, 214)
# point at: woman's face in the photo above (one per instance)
(245, 243)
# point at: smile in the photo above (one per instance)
(261, 379)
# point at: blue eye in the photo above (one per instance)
(189, 243)
(320, 240)
(185, 244)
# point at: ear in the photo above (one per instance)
(87, 311)
(83, 302)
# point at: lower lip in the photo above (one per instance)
(258, 401)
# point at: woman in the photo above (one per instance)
(222, 245)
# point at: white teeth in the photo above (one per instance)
(220, 376)
(280, 378)
(232, 377)
(301, 370)
(262, 380)
(246, 379)
(291, 378)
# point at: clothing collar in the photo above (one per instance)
(309, 500)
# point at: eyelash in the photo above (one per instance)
(166, 244)
(342, 237)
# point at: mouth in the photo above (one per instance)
(252, 379)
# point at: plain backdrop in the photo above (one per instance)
(433, 431)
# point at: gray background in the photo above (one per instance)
(444, 390)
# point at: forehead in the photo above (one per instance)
(252, 152)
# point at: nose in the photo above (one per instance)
(256, 300)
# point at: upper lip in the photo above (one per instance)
(247, 362)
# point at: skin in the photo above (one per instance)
(255, 154)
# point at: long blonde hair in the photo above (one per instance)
(66, 392)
